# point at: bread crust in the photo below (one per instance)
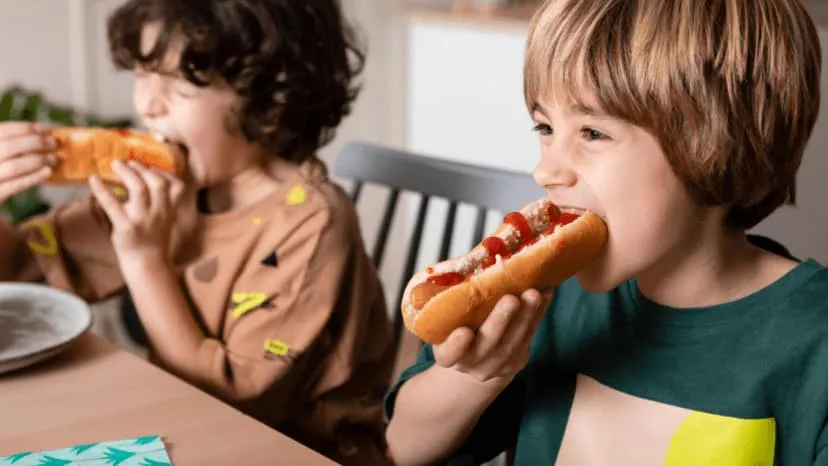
(544, 264)
(85, 151)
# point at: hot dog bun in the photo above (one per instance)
(557, 250)
(83, 152)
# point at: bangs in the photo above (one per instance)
(576, 53)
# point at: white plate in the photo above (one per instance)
(37, 322)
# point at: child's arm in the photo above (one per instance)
(435, 411)
(165, 314)
(68, 247)
(142, 229)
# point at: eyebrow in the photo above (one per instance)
(579, 108)
(537, 108)
(590, 111)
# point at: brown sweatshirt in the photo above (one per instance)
(289, 302)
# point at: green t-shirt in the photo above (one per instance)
(616, 379)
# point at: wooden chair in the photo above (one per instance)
(487, 189)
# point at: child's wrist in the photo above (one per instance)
(140, 264)
(471, 382)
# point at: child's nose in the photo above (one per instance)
(554, 171)
(153, 107)
(150, 101)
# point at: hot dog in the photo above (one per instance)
(537, 247)
(83, 152)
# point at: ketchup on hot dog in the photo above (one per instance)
(447, 279)
(517, 220)
(496, 246)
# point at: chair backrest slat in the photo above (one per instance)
(448, 231)
(355, 192)
(479, 225)
(385, 227)
(411, 259)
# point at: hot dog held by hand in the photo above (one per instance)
(538, 247)
(86, 151)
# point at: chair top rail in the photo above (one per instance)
(490, 188)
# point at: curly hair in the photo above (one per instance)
(292, 63)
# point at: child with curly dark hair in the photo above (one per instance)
(250, 277)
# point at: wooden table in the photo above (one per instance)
(97, 392)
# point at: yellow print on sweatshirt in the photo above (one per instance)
(49, 245)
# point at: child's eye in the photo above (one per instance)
(184, 94)
(593, 134)
(543, 129)
(185, 90)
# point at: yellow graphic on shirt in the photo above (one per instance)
(297, 195)
(246, 302)
(709, 439)
(608, 426)
(49, 246)
(277, 347)
(279, 350)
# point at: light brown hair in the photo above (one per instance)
(730, 88)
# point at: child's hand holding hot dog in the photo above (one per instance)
(500, 348)
(440, 406)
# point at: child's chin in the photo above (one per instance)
(597, 280)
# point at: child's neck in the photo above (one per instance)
(245, 188)
(712, 268)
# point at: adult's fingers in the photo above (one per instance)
(22, 183)
(12, 129)
(25, 164)
(14, 146)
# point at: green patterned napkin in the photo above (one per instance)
(140, 451)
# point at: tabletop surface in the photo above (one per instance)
(97, 392)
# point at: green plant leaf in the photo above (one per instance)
(6, 102)
(146, 440)
(52, 461)
(23, 205)
(61, 116)
(17, 457)
(116, 456)
(34, 102)
(79, 449)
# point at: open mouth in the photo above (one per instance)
(580, 211)
(175, 143)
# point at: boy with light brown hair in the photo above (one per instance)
(683, 124)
